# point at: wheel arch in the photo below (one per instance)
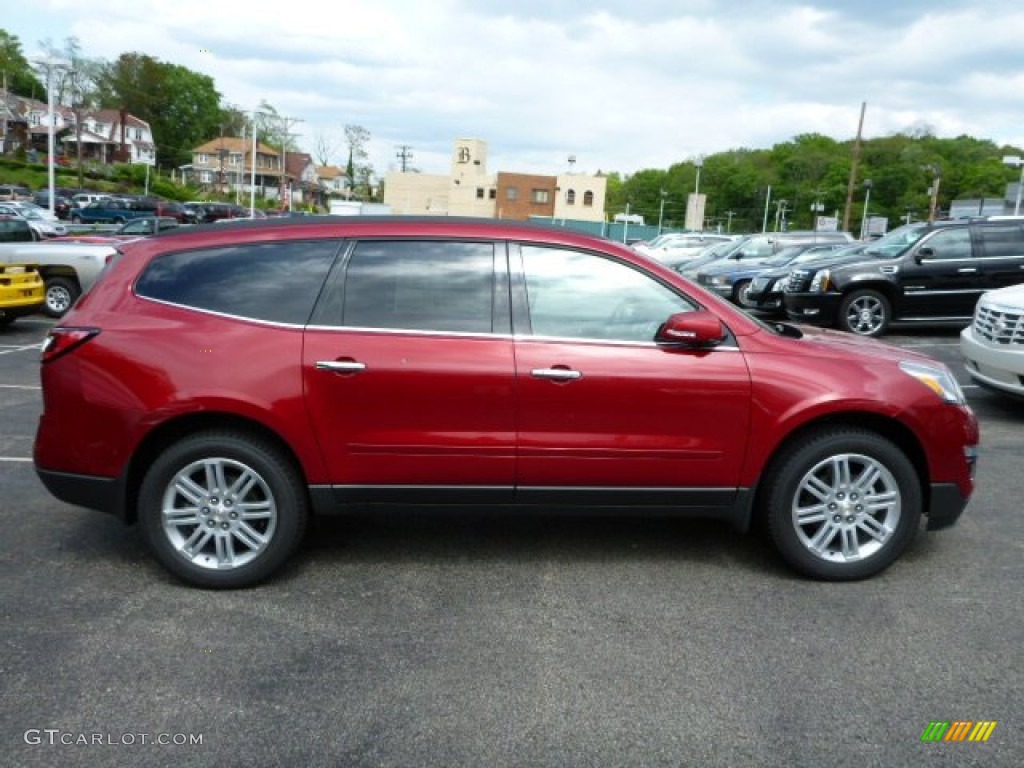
(178, 428)
(895, 431)
(884, 287)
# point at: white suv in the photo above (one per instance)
(993, 344)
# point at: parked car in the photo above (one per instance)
(62, 204)
(67, 269)
(38, 218)
(993, 344)
(15, 193)
(766, 289)
(141, 227)
(112, 210)
(683, 248)
(21, 291)
(753, 249)
(731, 278)
(210, 212)
(708, 255)
(919, 274)
(220, 385)
(82, 199)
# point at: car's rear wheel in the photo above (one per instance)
(223, 509)
(865, 312)
(842, 504)
(61, 294)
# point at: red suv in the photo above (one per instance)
(222, 385)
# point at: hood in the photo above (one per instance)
(825, 341)
(1011, 297)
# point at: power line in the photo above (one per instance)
(404, 154)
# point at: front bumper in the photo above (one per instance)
(946, 507)
(996, 366)
(813, 308)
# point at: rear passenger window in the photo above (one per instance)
(1002, 240)
(420, 285)
(277, 282)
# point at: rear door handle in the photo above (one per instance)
(340, 366)
(556, 374)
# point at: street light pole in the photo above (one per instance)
(934, 191)
(661, 210)
(867, 201)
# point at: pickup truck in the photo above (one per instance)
(110, 211)
(67, 269)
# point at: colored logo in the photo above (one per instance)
(959, 730)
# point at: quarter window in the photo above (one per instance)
(420, 285)
(277, 282)
(576, 294)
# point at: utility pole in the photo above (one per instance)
(853, 169)
(404, 154)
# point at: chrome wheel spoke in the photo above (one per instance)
(219, 513)
(873, 528)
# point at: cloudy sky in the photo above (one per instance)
(621, 85)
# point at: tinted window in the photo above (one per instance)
(14, 231)
(1002, 240)
(420, 285)
(949, 244)
(582, 295)
(278, 282)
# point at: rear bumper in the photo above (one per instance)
(105, 494)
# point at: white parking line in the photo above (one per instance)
(14, 458)
(25, 348)
(20, 386)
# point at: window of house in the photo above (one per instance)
(511, 193)
(206, 176)
(539, 196)
(202, 158)
(588, 197)
(492, 194)
(570, 197)
(479, 193)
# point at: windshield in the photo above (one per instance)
(784, 256)
(897, 241)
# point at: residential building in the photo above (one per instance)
(224, 164)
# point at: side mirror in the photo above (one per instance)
(926, 252)
(696, 329)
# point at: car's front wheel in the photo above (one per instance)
(223, 509)
(741, 295)
(865, 312)
(843, 504)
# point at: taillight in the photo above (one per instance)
(62, 340)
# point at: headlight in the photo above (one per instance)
(821, 282)
(937, 378)
(720, 280)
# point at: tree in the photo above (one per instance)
(181, 106)
(21, 78)
(358, 172)
(74, 85)
(326, 148)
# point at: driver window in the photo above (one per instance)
(575, 294)
(950, 244)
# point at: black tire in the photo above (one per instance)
(76, 219)
(739, 295)
(61, 295)
(860, 500)
(6, 319)
(865, 312)
(230, 548)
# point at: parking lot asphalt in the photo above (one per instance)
(514, 641)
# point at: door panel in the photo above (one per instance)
(947, 280)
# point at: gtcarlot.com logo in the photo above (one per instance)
(56, 736)
(958, 730)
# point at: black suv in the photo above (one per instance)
(919, 273)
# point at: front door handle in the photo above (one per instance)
(556, 374)
(968, 270)
(340, 366)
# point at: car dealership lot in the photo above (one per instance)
(440, 640)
